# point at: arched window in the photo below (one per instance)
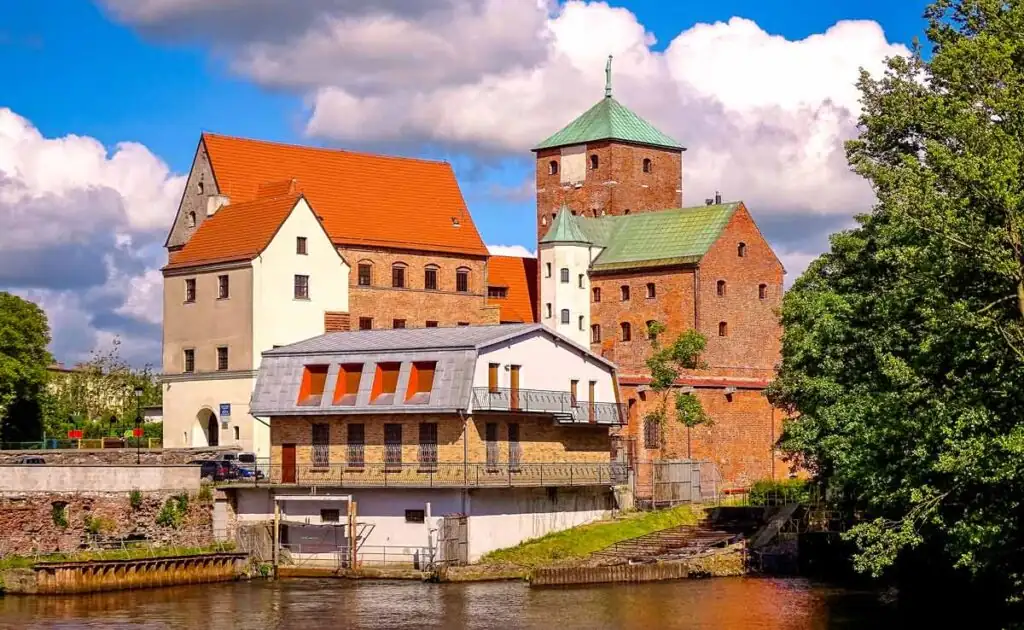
(430, 277)
(191, 220)
(462, 280)
(762, 291)
(647, 165)
(565, 316)
(594, 162)
(200, 187)
(624, 289)
(553, 167)
(720, 288)
(741, 250)
(564, 275)
(723, 329)
(595, 334)
(365, 273)
(398, 275)
(626, 330)
(651, 291)
(597, 294)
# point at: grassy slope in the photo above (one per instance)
(586, 539)
(131, 553)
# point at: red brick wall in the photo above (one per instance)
(414, 304)
(633, 189)
(336, 321)
(753, 344)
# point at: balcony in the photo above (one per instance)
(436, 475)
(559, 404)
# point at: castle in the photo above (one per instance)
(276, 243)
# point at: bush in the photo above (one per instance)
(98, 525)
(182, 502)
(172, 514)
(59, 514)
(135, 500)
(779, 492)
(205, 493)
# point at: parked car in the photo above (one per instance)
(212, 469)
(30, 459)
(245, 463)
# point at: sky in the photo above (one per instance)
(103, 102)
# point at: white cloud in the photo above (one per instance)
(511, 250)
(82, 235)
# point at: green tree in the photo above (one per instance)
(666, 364)
(24, 335)
(903, 347)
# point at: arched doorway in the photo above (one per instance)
(208, 423)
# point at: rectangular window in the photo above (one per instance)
(415, 516)
(565, 316)
(321, 445)
(347, 388)
(190, 290)
(398, 277)
(595, 333)
(491, 436)
(190, 360)
(238, 433)
(430, 279)
(385, 381)
(365, 323)
(393, 446)
(652, 434)
(581, 280)
(581, 323)
(565, 275)
(421, 382)
(222, 358)
(365, 275)
(597, 294)
(428, 445)
(547, 310)
(762, 291)
(547, 270)
(311, 392)
(462, 324)
(515, 454)
(301, 287)
(356, 445)
(625, 292)
(223, 288)
(462, 281)
(652, 291)
(398, 323)
(431, 324)
(330, 515)
(300, 245)
(499, 293)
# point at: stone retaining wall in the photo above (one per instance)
(97, 478)
(718, 563)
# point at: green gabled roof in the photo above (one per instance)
(609, 120)
(656, 239)
(564, 229)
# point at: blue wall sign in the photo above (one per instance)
(225, 410)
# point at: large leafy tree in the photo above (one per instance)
(903, 347)
(903, 350)
(24, 335)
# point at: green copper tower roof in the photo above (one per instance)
(564, 229)
(609, 120)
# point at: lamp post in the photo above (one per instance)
(138, 423)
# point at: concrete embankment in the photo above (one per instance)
(714, 563)
(59, 578)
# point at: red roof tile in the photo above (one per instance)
(239, 231)
(364, 199)
(519, 275)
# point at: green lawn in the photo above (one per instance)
(131, 553)
(581, 541)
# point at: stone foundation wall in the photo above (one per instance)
(32, 523)
(117, 456)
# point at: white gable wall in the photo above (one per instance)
(568, 296)
(546, 364)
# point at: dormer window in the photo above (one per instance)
(385, 382)
(311, 392)
(421, 382)
(553, 167)
(347, 389)
(594, 162)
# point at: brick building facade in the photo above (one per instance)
(646, 258)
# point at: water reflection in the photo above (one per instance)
(740, 603)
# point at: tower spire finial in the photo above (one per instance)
(608, 78)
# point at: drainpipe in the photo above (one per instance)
(465, 458)
(430, 545)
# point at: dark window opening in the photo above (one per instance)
(190, 290)
(223, 287)
(300, 245)
(515, 453)
(625, 292)
(762, 291)
(723, 329)
(652, 434)
(328, 515)
(565, 316)
(321, 445)
(564, 275)
(222, 358)
(491, 438)
(720, 288)
(393, 446)
(415, 516)
(190, 360)
(497, 292)
(553, 167)
(627, 331)
(356, 445)
(741, 250)
(428, 445)
(462, 280)
(431, 324)
(398, 323)
(647, 165)
(365, 274)
(398, 276)
(652, 292)
(301, 287)
(596, 292)
(430, 278)
(365, 323)
(595, 333)
(594, 162)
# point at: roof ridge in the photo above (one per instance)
(295, 145)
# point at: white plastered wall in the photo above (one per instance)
(184, 401)
(573, 164)
(569, 296)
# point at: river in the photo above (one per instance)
(740, 603)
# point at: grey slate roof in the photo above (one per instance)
(453, 350)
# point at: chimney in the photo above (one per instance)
(718, 198)
(215, 203)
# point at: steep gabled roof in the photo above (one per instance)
(364, 199)
(519, 277)
(237, 232)
(609, 120)
(564, 229)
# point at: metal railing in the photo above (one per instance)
(437, 475)
(563, 404)
(84, 443)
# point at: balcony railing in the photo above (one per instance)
(561, 404)
(437, 475)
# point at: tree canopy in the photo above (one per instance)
(24, 335)
(666, 363)
(903, 347)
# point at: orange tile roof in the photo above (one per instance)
(364, 199)
(519, 275)
(239, 231)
